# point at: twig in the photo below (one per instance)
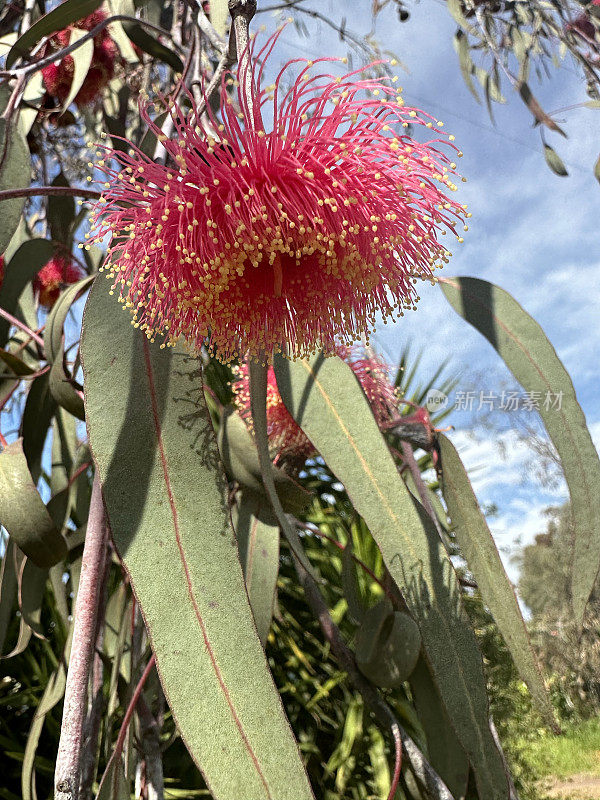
(409, 460)
(67, 774)
(18, 324)
(116, 754)
(49, 191)
(150, 768)
(65, 51)
(89, 760)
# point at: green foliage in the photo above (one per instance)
(207, 651)
(531, 358)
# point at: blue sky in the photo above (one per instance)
(532, 232)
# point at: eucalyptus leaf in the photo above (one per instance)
(554, 161)
(164, 490)
(82, 60)
(23, 513)
(531, 358)
(61, 212)
(446, 755)
(15, 172)
(478, 548)
(258, 545)
(326, 400)
(24, 265)
(240, 458)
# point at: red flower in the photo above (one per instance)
(51, 279)
(286, 439)
(294, 236)
(59, 76)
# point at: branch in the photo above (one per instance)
(65, 51)
(49, 191)
(67, 774)
(409, 460)
(18, 324)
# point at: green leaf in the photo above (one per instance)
(61, 212)
(597, 169)
(461, 45)
(82, 60)
(240, 459)
(25, 264)
(479, 550)
(31, 586)
(33, 95)
(387, 645)
(529, 355)
(446, 755)
(53, 694)
(156, 452)
(114, 784)
(456, 10)
(258, 546)
(326, 400)
(536, 109)
(55, 323)
(15, 365)
(554, 161)
(219, 16)
(23, 513)
(62, 389)
(40, 407)
(152, 46)
(62, 16)
(351, 586)
(8, 589)
(15, 171)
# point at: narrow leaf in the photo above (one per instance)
(54, 330)
(40, 407)
(529, 355)
(258, 545)
(15, 171)
(554, 161)
(23, 513)
(82, 60)
(479, 550)
(8, 589)
(156, 452)
(446, 755)
(328, 403)
(536, 109)
(61, 210)
(152, 46)
(62, 389)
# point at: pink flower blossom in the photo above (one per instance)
(58, 77)
(286, 438)
(51, 279)
(292, 236)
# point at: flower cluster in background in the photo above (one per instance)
(51, 279)
(286, 439)
(58, 76)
